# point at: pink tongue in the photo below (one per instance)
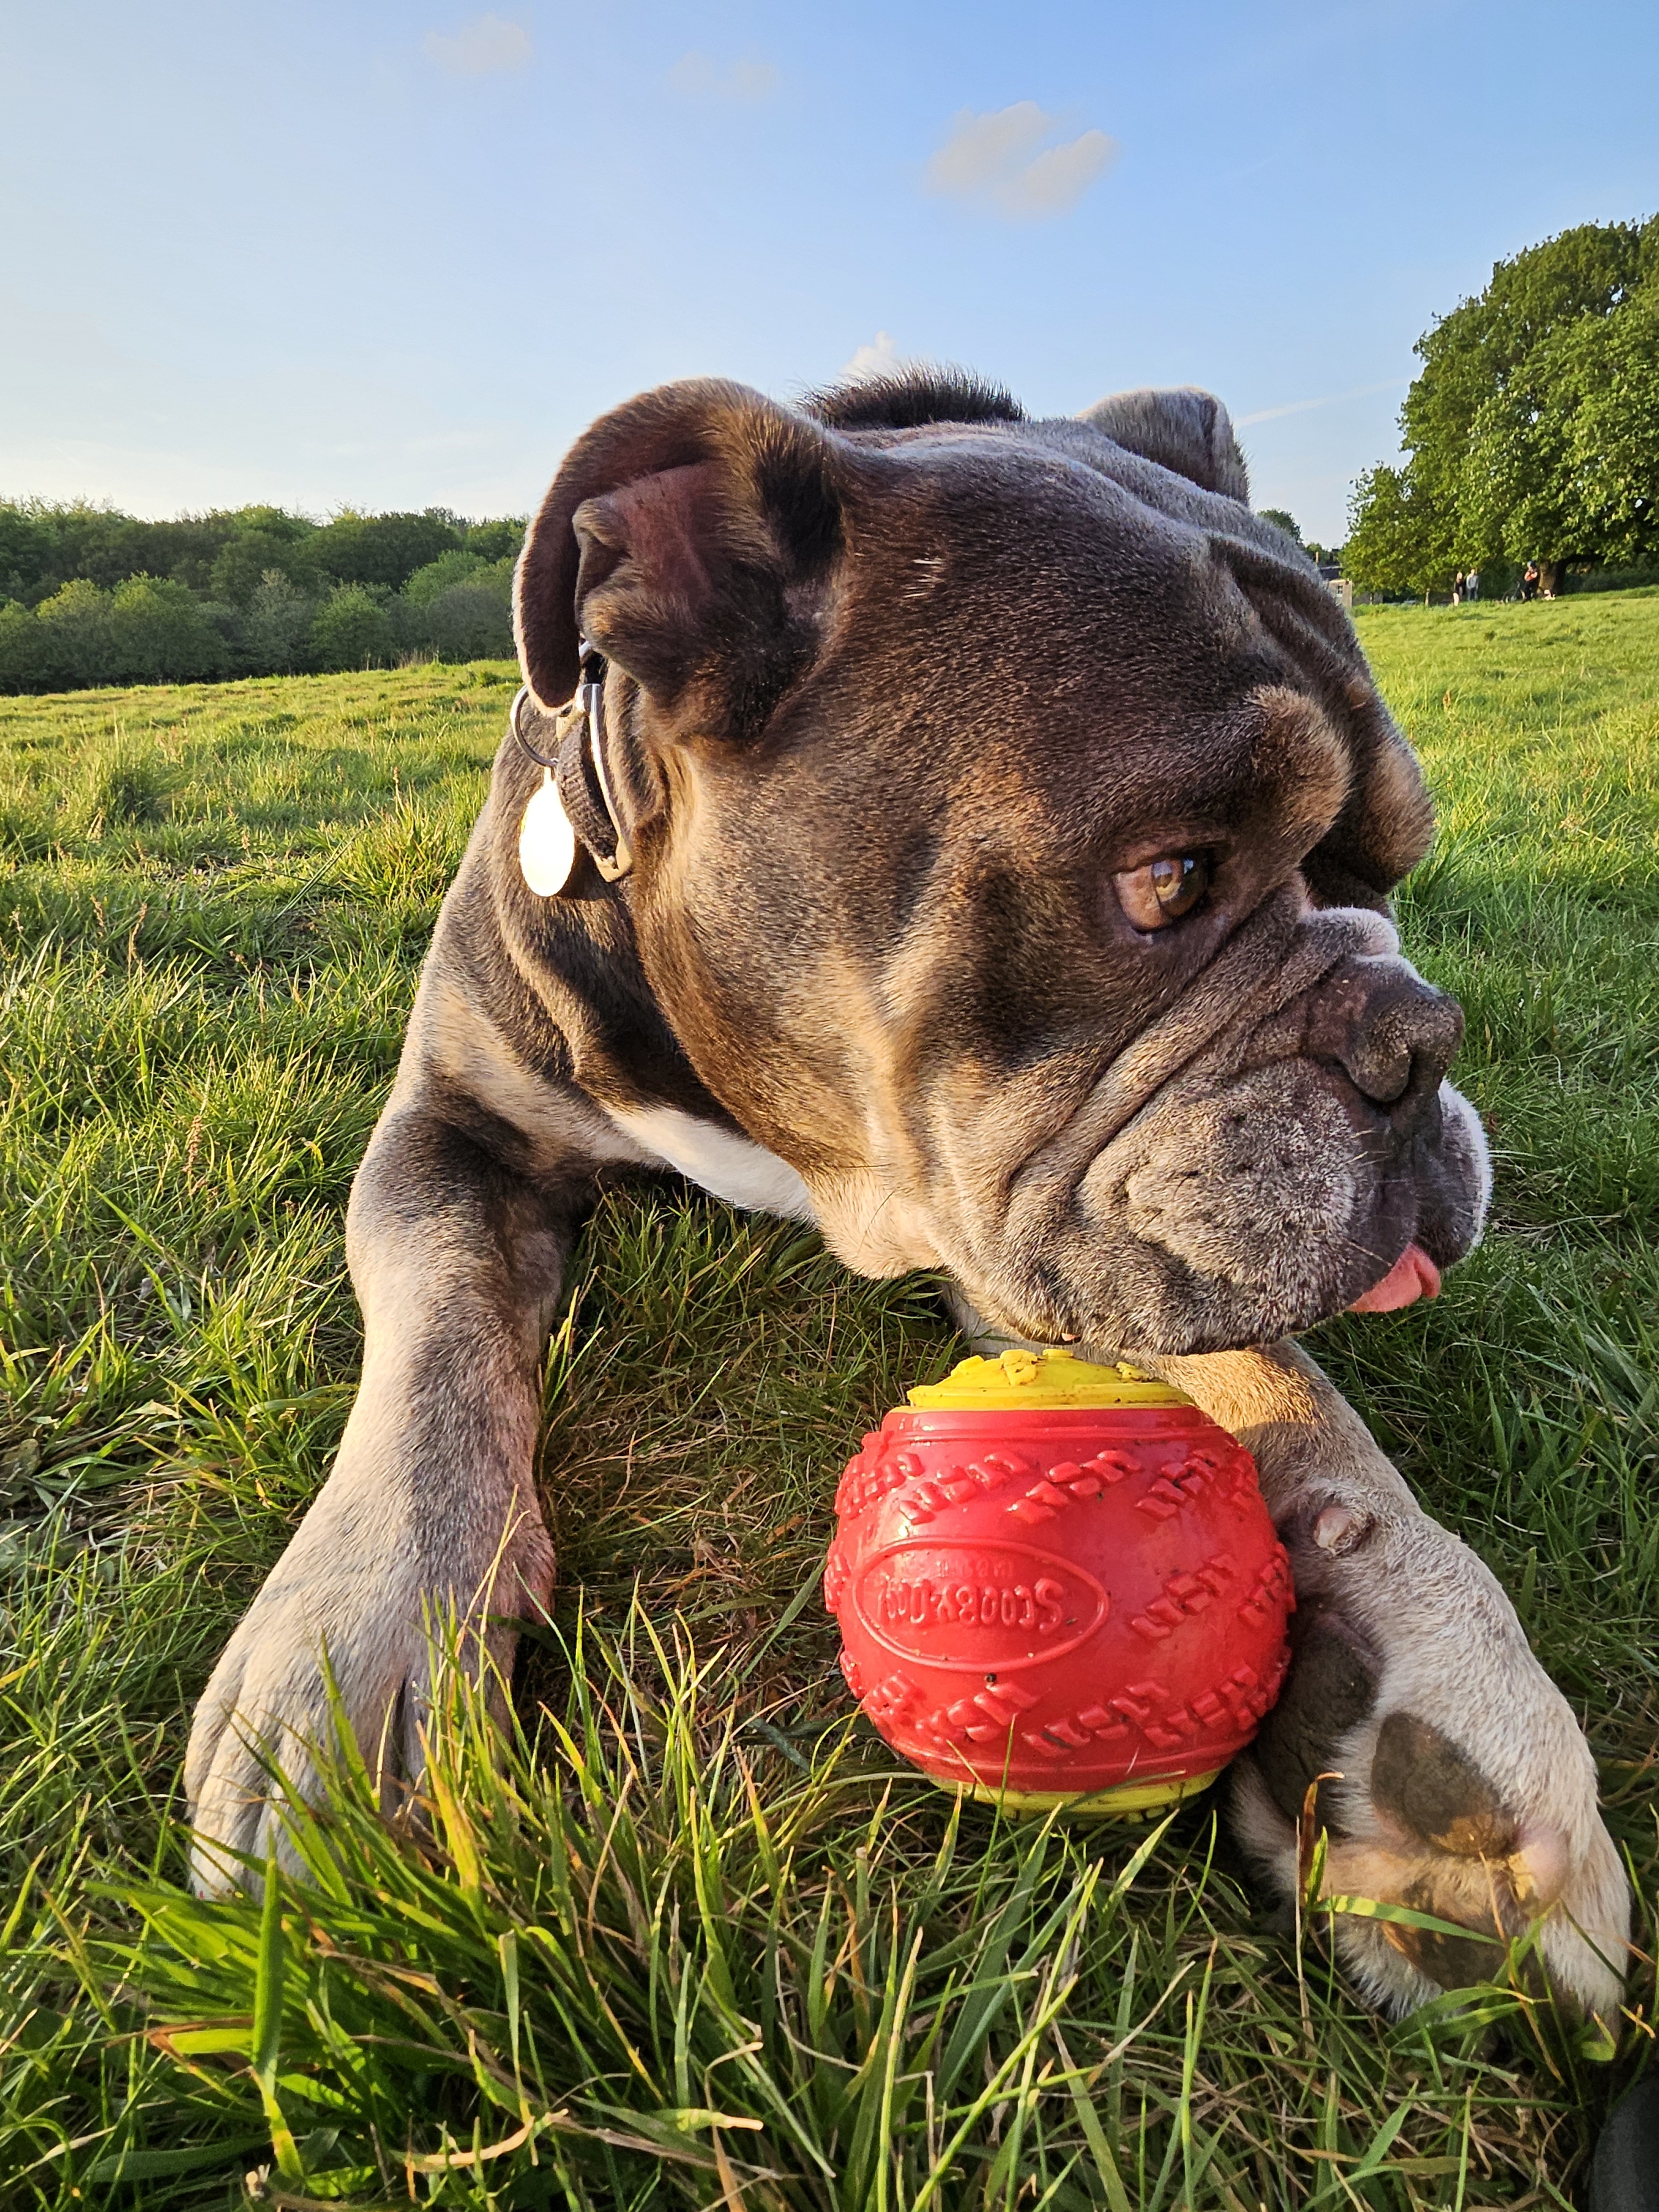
(1414, 1275)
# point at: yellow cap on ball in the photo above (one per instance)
(1037, 1381)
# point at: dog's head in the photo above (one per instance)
(1014, 820)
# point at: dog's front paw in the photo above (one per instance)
(1466, 1792)
(341, 1632)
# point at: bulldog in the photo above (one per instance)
(972, 835)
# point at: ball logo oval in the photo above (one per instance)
(973, 1605)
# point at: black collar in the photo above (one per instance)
(577, 762)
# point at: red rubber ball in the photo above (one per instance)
(1060, 1602)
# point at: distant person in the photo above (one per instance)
(1458, 589)
(1529, 580)
(1471, 586)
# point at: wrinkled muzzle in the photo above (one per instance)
(1256, 1160)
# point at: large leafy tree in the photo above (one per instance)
(1397, 535)
(1530, 431)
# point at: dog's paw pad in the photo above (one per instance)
(1452, 1962)
(1331, 1689)
(1433, 1790)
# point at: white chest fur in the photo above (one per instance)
(742, 1173)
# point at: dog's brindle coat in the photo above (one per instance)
(899, 686)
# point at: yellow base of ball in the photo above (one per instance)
(1124, 1800)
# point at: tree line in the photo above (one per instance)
(1531, 431)
(89, 595)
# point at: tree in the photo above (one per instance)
(496, 541)
(455, 567)
(243, 562)
(469, 621)
(253, 591)
(160, 633)
(151, 629)
(381, 548)
(1565, 456)
(1610, 399)
(460, 608)
(1395, 537)
(1285, 520)
(77, 635)
(26, 548)
(277, 628)
(22, 642)
(352, 630)
(1529, 429)
(473, 620)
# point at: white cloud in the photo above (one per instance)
(478, 48)
(699, 78)
(1307, 406)
(874, 359)
(999, 160)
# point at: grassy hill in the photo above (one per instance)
(701, 1895)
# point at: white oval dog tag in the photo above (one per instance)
(547, 843)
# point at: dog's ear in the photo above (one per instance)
(690, 535)
(1183, 429)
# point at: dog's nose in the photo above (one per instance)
(1391, 1033)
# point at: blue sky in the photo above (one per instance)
(397, 255)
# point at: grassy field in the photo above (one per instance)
(691, 1942)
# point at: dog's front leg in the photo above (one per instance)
(457, 1262)
(1468, 1791)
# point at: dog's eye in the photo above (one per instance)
(1161, 892)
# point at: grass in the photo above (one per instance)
(682, 1937)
